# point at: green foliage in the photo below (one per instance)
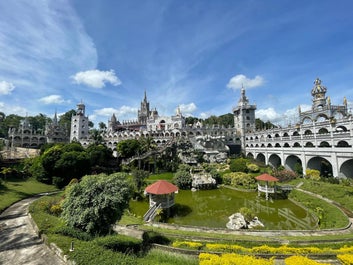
(120, 243)
(312, 174)
(239, 179)
(247, 213)
(97, 202)
(284, 175)
(298, 169)
(182, 178)
(99, 155)
(128, 148)
(72, 232)
(238, 165)
(152, 237)
(252, 168)
(139, 180)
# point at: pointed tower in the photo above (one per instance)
(244, 117)
(79, 124)
(144, 111)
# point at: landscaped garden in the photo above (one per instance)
(83, 212)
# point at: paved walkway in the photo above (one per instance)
(19, 243)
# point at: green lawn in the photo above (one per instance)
(166, 176)
(13, 190)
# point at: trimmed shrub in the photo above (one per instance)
(120, 243)
(312, 174)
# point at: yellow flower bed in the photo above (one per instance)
(345, 259)
(187, 244)
(231, 259)
(264, 249)
(295, 260)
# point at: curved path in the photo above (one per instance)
(19, 244)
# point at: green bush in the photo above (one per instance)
(284, 175)
(152, 237)
(182, 177)
(120, 243)
(312, 174)
(97, 202)
(238, 165)
(72, 232)
(238, 179)
(252, 168)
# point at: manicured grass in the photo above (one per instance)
(332, 217)
(13, 190)
(343, 194)
(166, 176)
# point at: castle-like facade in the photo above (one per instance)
(213, 140)
(26, 136)
(322, 139)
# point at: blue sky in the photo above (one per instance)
(195, 54)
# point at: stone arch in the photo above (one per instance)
(321, 164)
(274, 161)
(277, 135)
(309, 144)
(269, 145)
(292, 162)
(261, 157)
(308, 132)
(262, 145)
(343, 144)
(250, 155)
(324, 144)
(347, 168)
(296, 144)
(277, 145)
(285, 134)
(321, 117)
(338, 115)
(286, 145)
(269, 136)
(295, 133)
(341, 129)
(307, 120)
(323, 131)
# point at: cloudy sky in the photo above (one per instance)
(195, 54)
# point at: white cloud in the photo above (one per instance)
(268, 114)
(187, 109)
(53, 99)
(123, 113)
(12, 109)
(204, 115)
(6, 88)
(239, 81)
(96, 78)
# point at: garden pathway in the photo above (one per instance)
(19, 244)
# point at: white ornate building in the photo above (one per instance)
(163, 129)
(321, 140)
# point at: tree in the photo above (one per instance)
(96, 136)
(102, 126)
(182, 177)
(128, 148)
(139, 177)
(238, 165)
(96, 203)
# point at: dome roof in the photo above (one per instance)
(318, 88)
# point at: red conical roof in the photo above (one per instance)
(161, 187)
(266, 177)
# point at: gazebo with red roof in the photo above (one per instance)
(161, 192)
(266, 178)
